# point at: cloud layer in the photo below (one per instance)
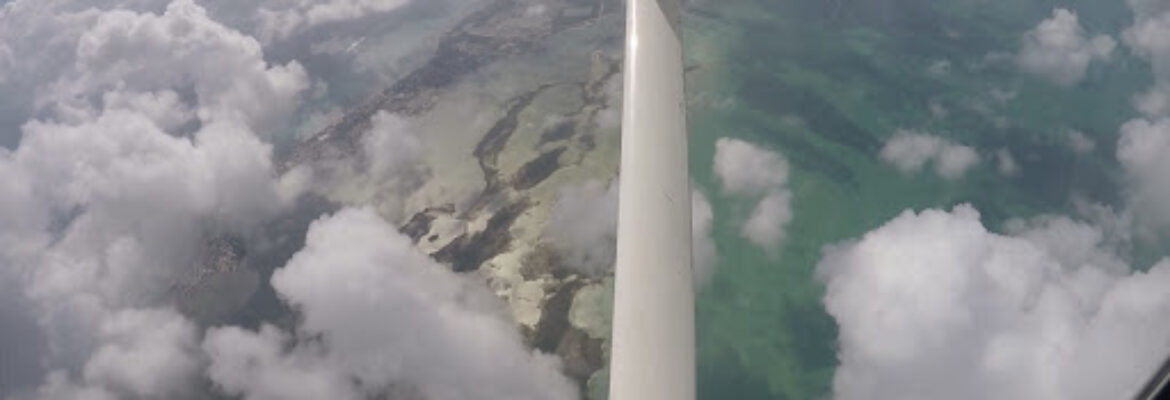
(281, 19)
(152, 138)
(1144, 142)
(910, 151)
(749, 171)
(1058, 51)
(136, 131)
(1149, 38)
(1142, 151)
(933, 305)
(703, 255)
(583, 225)
(381, 318)
(389, 167)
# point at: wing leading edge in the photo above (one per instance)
(653, 354)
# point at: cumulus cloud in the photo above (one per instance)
(182, 50)
(703, 256)
(744, 169)
(391, 149)
(1155, 102)
(41, 40)
(144, 128)
(583, 225)
(389, 168)
(38, 41)
(1142, 151)
(765, 227)
(146, 354)
(150, 137)
(933, 305)
(72, 59)
(1144, 142)
(381, 318)
(1149, 38)
(280, 19)
(1057, 50)
(256, 365)
(910, 151)
(135, 203)
(1081, 143)
(1006, 163)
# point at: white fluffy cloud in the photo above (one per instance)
(387, 170)
(169, 60)
(765, 226)
(38, 41)
(257, 366)
(149, 136)
(932, 305)
(703, 256)
(391, 149)
(385, 319)
(1149, 38)
(1006, 163)
(181, 49)
(583, 225)
(280, 19)
(1081, 143)
(146, 354)
(910, 151)
(747, 170)
(145, 128)
(1058, 51)
(1144, 142)
(1142, 151)
(41, 40)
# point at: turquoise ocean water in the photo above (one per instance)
(825, 83)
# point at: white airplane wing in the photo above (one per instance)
(653, 355)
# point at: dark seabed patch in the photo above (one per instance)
(488, 149)
(536, 171)
(271, 250)
(725, 378)
(822, 117)
(581, 355)
(554, 318)
(420, 224)
(561, 131)
(469, 251)
(802, 153)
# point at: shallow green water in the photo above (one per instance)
(824, 83)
